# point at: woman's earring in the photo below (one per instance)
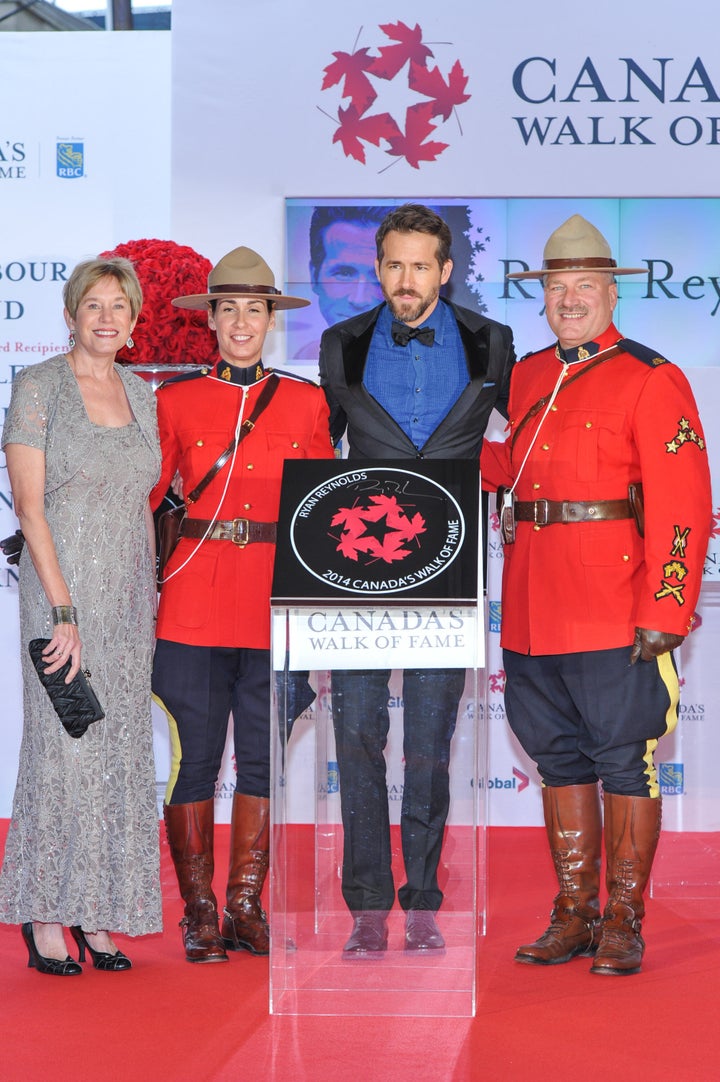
(71, 340)
(130, 343)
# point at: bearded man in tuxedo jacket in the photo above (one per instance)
(415, 377)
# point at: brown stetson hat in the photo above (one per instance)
(577, 245)
(241, 273)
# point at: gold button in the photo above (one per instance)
(553, 409)
(249, 466)
(536, 528)
(295, 443)
(247, 506)
(536, 485)
(546, 447)
(625, 557)
(200, 443)
(588, 424)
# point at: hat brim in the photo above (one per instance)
(576, 270)
(200, 301)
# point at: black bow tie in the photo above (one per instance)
(402, 334)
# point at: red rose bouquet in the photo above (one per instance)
(164, 334)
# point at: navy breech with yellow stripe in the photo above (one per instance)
(592, 715)
(198, 687)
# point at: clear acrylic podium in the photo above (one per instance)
(309, 919)
(377, 572)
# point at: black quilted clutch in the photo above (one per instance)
(76, 704)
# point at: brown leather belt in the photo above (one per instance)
(241, 531)
(550, 512)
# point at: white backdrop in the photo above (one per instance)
(265, 106)
(629, 110)
(70, 103)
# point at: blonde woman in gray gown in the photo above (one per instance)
(82, 452)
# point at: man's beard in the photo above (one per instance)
(412, 311)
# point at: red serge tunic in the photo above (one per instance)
(587, 585)
(222, 596)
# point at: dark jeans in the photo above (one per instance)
(361, 722)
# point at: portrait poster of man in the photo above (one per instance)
(331, 261)
(331, 254)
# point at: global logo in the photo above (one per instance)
(517, 782)
(395, 96)
(70, 160)
(672, 779)
(377, 530)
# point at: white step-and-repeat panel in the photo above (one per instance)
(507, 120)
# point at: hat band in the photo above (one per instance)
(597, 262)
(240, 289)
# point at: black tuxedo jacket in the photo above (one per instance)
(372, 432)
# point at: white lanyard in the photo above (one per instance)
(565, 368)
(214, 518)
(553, 396)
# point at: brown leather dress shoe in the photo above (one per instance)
(369, 935)
(422, 932)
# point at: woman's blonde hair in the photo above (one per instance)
(89, 273)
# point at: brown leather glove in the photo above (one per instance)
(650, 644)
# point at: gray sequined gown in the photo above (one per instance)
(82, 847)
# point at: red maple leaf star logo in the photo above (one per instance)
(496, 681)
(381, 530)
(432, 96)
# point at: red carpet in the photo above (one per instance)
(173, 1022)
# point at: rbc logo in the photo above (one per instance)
(495, 615)
(333, 778)
(672, 779)
(70, 160)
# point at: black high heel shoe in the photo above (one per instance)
(110, 963)
(54, 966)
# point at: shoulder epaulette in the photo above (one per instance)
(291, 375)
(182, 377)
(534, 352)
(643, 353)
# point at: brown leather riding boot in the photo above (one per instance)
(189, 830)
(574, 830)
(632, 829)
(245, 925)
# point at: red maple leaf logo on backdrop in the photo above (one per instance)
(715, 528)
(379, 531)
(496, 681)
(361, 75)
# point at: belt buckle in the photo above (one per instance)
(240, 532)
(546, 507)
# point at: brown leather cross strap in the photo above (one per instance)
(551, 512)
(247, 426)
(241, 531)
(534, 410)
